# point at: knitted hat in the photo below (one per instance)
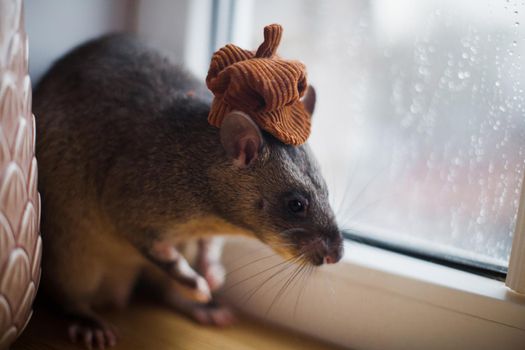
(263, 85)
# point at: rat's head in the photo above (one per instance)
(277, 192)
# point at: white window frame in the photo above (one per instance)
(380, 299)
(189, 31)
(377, 299)
(516, 272)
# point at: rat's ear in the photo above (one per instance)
(309, 99)
(241, 138)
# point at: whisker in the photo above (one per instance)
(352, 216)
(310, 246)
(254, 290)
(250, 263)
(348, 186)
(283, 288)
(330, 285)
(302, 286)
(279, 281)
(304, 250)
(245, 255)
(259, 273)
(301, 261)
(365, 188)
(368, 205)
(328, 281)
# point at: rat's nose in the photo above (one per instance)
(335, 250)
(328, 260)
(334, 257)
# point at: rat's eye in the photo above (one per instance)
(297, 206)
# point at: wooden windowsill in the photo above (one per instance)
(148, 326)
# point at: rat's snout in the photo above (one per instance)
(334, 248)
(326, 249)
(321, 246)
(334, 254)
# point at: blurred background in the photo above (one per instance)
(420, 122)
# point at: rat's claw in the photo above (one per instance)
(88, 338)
(99, 339)
(111, 337)
(73, 332)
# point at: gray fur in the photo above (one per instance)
(126, 156)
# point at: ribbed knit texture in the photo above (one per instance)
(263, 85)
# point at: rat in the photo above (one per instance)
(130, 169)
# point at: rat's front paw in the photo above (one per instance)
(210, 314)
(187, 281)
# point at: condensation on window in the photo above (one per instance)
(420, 121)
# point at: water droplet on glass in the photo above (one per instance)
(514, 43)
(415, 108)
(423, 71)
(480, 220)
(497, 83)
(463, 75)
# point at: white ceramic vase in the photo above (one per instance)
(20, 242)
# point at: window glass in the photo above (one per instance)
(420, 121)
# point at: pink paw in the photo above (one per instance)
(94, 334)
(212, 315)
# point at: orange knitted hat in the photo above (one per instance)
(263, 85)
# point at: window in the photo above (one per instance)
(420, 125)
(418, 128)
